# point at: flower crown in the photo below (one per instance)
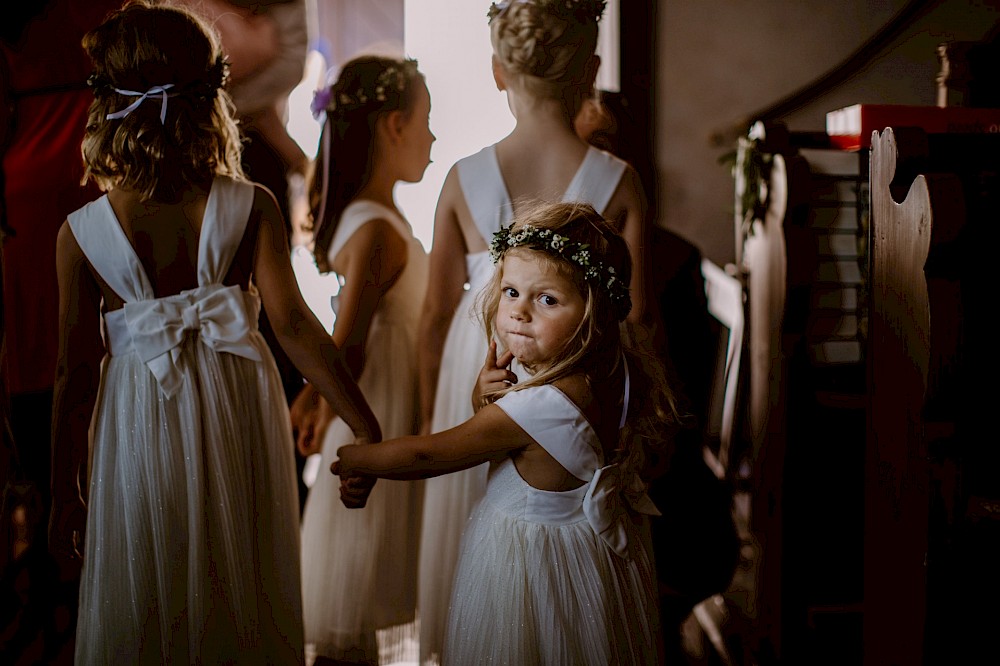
(599, 275)
(204, 88)
(391, 82)
(580, 10)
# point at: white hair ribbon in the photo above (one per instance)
(504, 6)
(155, 90)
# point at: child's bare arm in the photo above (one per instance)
(301, 335)
(76, 382)
(489, 435)
(369, 263)
(444, 291)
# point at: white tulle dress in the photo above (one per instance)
(192, 526)
(449, 499)
(359, 566)
(555, 577)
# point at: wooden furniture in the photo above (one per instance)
(803, 452)
(932, 533)
(875, 476)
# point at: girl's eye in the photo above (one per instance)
(509, 292)
(547, 300)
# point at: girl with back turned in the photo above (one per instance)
(192, 542)
(544, 59)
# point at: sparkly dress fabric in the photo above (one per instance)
(449, 499)
(554, 577)
(359, 566)
(192, 537)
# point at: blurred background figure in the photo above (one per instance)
(44, 94)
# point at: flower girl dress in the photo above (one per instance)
(191, 551)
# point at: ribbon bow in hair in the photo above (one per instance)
(215, 313)
(603, 506)
(143, 96)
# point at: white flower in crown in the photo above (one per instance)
(546, 240)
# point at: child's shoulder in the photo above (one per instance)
(578, 389)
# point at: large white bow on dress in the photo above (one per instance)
(602, 505)
(215, 313)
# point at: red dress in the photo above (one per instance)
(45, 85)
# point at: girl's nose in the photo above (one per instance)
(518, 312)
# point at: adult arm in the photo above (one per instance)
(75, 392)
(300, 334)
(446, 282)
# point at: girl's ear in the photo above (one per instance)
(499, 75)
(392, 123)
(590, 71)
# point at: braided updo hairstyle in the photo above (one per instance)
(546, 45)
(136, 48)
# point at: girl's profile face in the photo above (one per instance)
(539, 309)
(417, 136)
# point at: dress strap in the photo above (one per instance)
(485, 191)
(227, 213)
(557, 424)
(596, 180)
(628, 386)
(102, 240)
(357, 214)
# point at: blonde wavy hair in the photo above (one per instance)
(597, 347)
(136, 48)
(547, 48)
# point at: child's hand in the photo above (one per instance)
(494, 376)
(354, 488)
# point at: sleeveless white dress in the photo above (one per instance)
(192, 537)
(449, 499)
(555, 577)
(359, 566)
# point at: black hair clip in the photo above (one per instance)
(97, 81)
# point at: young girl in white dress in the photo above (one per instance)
(191, 552)
(554, 566)
(359, 567)
(544, 59)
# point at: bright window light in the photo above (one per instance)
(301, 125)
(451, 42)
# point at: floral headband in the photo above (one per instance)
(598, 274)
(581, 10)
(391, 82)
(204, 89)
